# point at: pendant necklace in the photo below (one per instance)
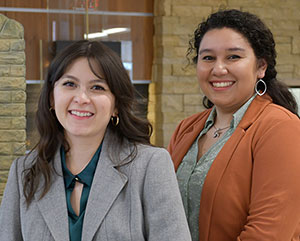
(218, 131)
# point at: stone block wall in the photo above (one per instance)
(12, 95)
(174, 92)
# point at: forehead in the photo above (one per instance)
(224, 38)
(83, 67)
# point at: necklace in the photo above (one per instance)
(218, 131)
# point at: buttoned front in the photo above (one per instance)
(86, 178)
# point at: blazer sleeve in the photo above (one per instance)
(10, 225)
(274, 212)
(163, 209)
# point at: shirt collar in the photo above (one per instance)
(211, 118)
(237, 116)
(86, 175)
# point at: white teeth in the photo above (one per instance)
(221, 84)
(81, 114)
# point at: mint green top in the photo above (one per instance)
(191, 172)
(86, 178)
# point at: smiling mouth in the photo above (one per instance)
(81, 114)
(222, 84)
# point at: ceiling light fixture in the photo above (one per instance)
(106, 32)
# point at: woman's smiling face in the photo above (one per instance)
(227, 68)
(83, 102)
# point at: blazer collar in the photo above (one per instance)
(186, 139)
(107, 184)
(254, 111)
(196, 124)
(222, 160)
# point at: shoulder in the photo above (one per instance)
(263, 114)
(24, 162)
(151, 165)
(263, 109)
(147, 153)
(275, 116)
(151, 150)
(193, 119)
(275, 124)
(190, 123)
(16, 173)
(279, 112)
(148, 158)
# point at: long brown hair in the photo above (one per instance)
(51, 132)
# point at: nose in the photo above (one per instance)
(82, 97)
(219, 68)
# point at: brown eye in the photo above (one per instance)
(234, 57)
(207, 58)
(97, 87)
(69, 84)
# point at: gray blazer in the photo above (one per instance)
(137, 201)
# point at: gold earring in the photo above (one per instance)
(115, 120)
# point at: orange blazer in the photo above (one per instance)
(252, 190)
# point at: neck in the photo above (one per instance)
(223, 119)
(81, 152)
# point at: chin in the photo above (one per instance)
(78, 133)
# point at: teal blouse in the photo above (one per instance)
(191, 172)
(86, 178)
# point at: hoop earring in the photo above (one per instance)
(256, 88)
(115, 120)
(51, 109)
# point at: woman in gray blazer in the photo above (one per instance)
(93, 174)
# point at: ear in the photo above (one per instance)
(261, 68)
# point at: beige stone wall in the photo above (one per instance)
(174, 92)
(12, 95)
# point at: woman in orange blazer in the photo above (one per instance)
(238, 162)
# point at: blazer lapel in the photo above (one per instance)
(212, 181)
(187, 139)
(53, 205)
(107, 184)
(222, 160)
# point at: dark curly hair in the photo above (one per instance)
(262, 42)
(51, 132)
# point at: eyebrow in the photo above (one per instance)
(76, 79)
(229, 49)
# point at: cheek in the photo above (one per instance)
(105, 104)
(202, 71)
(202, 77)
(199, 74)
(253, 69)
(113, 106)
(112, 102)
(61, 100)
(56, 98)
